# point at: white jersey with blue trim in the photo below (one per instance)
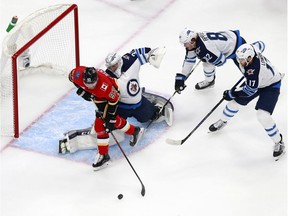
(213, 48)
(130, 90)
(260, 74)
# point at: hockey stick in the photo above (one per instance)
(142, 185)
(180, 142)
(161, 109)
(121, 149)
(173, 93)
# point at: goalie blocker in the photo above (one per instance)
(85, 139)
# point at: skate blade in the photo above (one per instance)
(208, 87)
(102, 167)
(280, 156)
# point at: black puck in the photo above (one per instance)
(120, 196)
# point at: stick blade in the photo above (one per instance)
(174, 142)
(143, 191)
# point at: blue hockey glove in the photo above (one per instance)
(180, 83)
(228, 95)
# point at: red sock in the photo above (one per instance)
(103, 150)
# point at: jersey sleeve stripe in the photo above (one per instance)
(141, 55)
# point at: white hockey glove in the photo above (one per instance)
(156, 55)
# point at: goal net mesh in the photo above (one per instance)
(44, 42)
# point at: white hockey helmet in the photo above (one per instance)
(245, 51)
(186, 35)
(114, 59)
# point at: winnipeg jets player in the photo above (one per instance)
(134, 102)
(213, 49)
(262, 80)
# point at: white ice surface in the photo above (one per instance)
(228, 173)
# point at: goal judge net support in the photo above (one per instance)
(46, 41)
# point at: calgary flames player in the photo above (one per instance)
(94, 85)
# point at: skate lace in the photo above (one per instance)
(278, 146)
(203, 83)
(100, 158)
(219, 124)
(133, 137)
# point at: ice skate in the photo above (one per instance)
(217, 126)
(205, 84)
(134, 138)
(279, 149)
(100, 161)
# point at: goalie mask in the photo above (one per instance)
(90, 77)
(114, 63)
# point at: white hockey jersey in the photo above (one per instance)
(129, 83)
(213, 48)
(260, 74)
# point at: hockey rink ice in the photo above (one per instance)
(228, 173)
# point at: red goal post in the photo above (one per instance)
(46, 41)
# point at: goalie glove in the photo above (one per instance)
(84, 94)
(156, 55)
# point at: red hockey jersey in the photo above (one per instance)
(106, 90)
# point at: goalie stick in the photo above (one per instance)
(174, 93)
(180, 142)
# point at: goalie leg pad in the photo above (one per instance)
(167, 113)
(84, 139)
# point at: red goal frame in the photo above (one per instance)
(74, 9)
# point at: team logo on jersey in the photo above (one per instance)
(126, 57)
(197, 51)
(104, 86)
(77, 74)
(133, 87)
(250, 71)
(113, 93)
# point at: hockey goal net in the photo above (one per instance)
(47, 42)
